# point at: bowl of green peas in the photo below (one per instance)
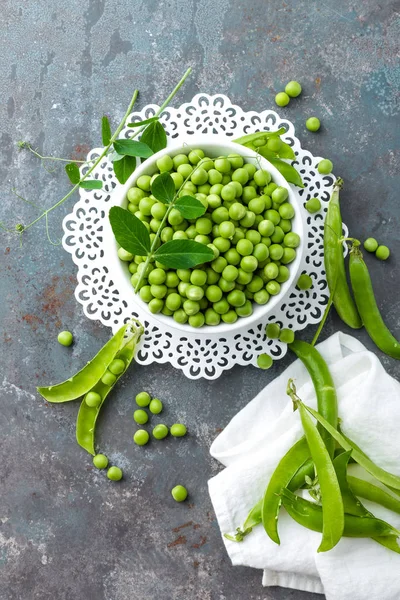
(252, 223)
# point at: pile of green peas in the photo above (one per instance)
(248, 225)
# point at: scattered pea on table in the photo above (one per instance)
(114, 473)
(143, 399)
(286, 336)
(155, 406)
(282, 99)
(179, 493)
(382, 252)
(141, 437)
(325, 166)
(304, 282)
(264, 361)
(273, 331)
(160, 432)
(140, 416)
(65, 338)
(370, 244)
(100, 461)
(313, 205)
(313, 124)
(293, 89)
(178, 430)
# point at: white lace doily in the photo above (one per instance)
(198, 354)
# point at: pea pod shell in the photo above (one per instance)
(334, 264)
(373, 493)
(310, 515)
(87, 415)
(362, 459)
(323, 385)
(333, 512)
(298, 454)
(368, 309)
(86, 378)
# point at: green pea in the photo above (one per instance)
(160, 432)
(124, 255)
(214, 176)
(261, 297)
(283, 275)
(236, 160)
(276, 252)
(132, 268)
(291, 240)
(264, 361)
(100, 461)
(304, 282)
(227, 229)
(285, 225)
(182, 288)
(143, 399)
(180, 316)
(244, 277)
(166, 234)
(178, 430)
(117, 366)
(195, 156)
(185, 170)
(145, 294)
(249, 264)
(236, 298)
(167, 312)
(260, 252)
(175, 217)
(221, 307)
(246, 310)
(249, 192)
(180, 159)
(184, 274)
(114, 473)
(274, 144)
(219, 263)
(198, 277)
(271, 270)
(157, 276)
(313, 124)
(230, 273)
(156, 305)
(272, 215)
(135, 195)
(229, 317)
(155, 406)
(108, 378)
(213, 293)
(232, 257)
(282, 99)
(140, 416)
(244, 247)
(255, 284)
(220, 214)
(286, 336)
(266, 228)
(158, 210)
(214, 201)
(179, 493)
(238, 188)
(280, 195)
(197, 320)
(228, 192)
(141, 437)
(199, 176)
(371, 245)
(216, 189)
(237, 211)
(222, 165)
(325, 166)
(211, 317)
(239, 235)
(286, 211)
(273, 331)
(273, 288)
(289, 254)
(249, 219)
(270, 188)
(226, 286)
(212, 276)
(65, 338)
(293, 89)
(195, 292)
(382, 252)
(278, 235)
(93, 399)
(250, 168)
(158, 291)
(206, 163)
(188, 188)
(262, 177)
(191, 307)
(173, 302)
(257, 205)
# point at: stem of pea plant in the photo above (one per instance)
(102, 155)
(167, 100)
(67, 160)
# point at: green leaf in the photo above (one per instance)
(124, 167)
(163, 188)
(289, 172)
(145, 122)
(73, 172)
(183, 254)
(189, 207)
(132, 148)
(154, 136)
(91, 184)
(129, 231)
(105, 131)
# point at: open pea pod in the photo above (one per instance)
(87, 415)
(81, 383)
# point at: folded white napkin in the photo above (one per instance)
(259, 435)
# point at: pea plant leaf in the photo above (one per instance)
(73, 172)
(129, 231)
(163, 188)
(145, 122)
(154, 136)
(105, 130)
(91, 184)
(189, 207)
(123, 167)
(132, 148)
(183, 254)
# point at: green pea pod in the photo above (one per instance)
(287, 467)
(251, 137)
(333, 512)
(87, 415)
(323, 385)
(86, 378)
(367, 307)
(334, 263)
(362, 459)
(310, 515)
(373, 493)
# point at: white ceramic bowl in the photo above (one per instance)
(212, 147)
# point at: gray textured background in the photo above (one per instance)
(65, 531)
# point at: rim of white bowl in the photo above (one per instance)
(215, 147)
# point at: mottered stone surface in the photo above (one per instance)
(65, 531)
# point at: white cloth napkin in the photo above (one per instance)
(255, 440)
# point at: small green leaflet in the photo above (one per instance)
(105, 131)
(163, 188)
(124, 167)
(183, 254)
(154, 136)
(73, 173)
(91, 184)
(129, 231)
(132, 148)
(145, 122)
(189, 207)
